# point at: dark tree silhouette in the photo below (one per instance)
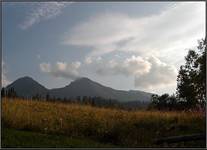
(191, 80)
(3, 92)
(47, 97)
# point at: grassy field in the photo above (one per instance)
(12, 138)
(115, 126)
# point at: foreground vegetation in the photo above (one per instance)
(115, 126)
(16, 139)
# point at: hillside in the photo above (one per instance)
(28, 87)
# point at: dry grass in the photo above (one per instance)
(134, 128)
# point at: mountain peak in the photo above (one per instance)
(26, 78)
(83, 79)
(23, 80)
(28, 87)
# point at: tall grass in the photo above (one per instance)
(125, 128)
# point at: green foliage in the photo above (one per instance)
(191, 80)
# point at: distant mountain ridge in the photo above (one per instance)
(28, 87)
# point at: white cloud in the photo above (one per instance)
(160, 75)
(87, 34)
(149, 72)
(5, 80)
(45, 67)
(88, 60)
(137, 65)
(62, 69)
(130, 66)
(174, 29)
(134, 65)
(43, 11)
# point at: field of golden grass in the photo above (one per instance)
(120, 127)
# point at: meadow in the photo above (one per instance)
(106, 125)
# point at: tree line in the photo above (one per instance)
(8, 93)
(96, 101)
(86, 100)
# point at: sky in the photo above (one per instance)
(123, 45)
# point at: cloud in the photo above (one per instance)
(149, 72)
(89, 60)
(62, 69)
(160, 75)
(43, 11)
(130, 66)
(85, 34)
(45, 67)
(162, 34)
(5, 80)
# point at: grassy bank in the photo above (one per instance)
(119, 127)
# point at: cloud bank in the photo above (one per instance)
(164, 36)
(175, 28)
(160, 75)
(149, 72)
(62, 69)
(130, 66)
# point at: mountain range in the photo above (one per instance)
(28, 87)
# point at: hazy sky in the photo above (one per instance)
(124, 45)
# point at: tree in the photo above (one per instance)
(154, 101)
(47, 97)
(159, 102)
(164, 102)
(191, 80)
(85, 100)
(201, 76)
(11, 93)
(2, 92)
(78, 98)
(172, 102)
